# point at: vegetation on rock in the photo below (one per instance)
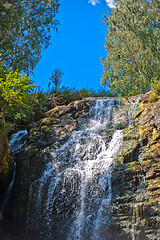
(131, 67)
(136, 175)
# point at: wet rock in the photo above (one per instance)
(135, 175)
(49, 133)
(139, 174)
(6, 161)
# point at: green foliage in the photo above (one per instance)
(153, 97)
(14, 88)
(25, 30)
(66, 95)
(15, 92)
(118, 126)
(155, 86)
(5, 128)
(131, 166)
(132, 45)
(37, 106)
(55, 80)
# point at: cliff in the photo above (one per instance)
(136, 177)
(136, 171)
(6, 162)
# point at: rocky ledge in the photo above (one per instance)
(136, 175)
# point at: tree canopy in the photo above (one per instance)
(14, 88)
(132, 45)
(25, 30)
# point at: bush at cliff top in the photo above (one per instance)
(66, 95)
(15, 90)
(155, 86)
(14, 87)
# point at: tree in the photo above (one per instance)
(132, 45)
(25, 30)
(14, 88)
(55, 80)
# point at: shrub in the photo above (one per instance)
(153, 97)
(155, 86)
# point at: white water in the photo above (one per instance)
(96, 169)
(75, 191)
(18, 140)
(132, 111)
(8, 191)
(15, 144)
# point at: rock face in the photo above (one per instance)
(135, 176)
(6, 163)
(55, 128)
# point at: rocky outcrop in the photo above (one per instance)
(136, 175)
(53, 129)
(6, 162)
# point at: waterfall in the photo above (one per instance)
(133, 224)
(16, 142)
(132, 111)
(73, 198)
(8, 191)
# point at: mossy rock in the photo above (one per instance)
(133, 166)
(131, 133)
(6, 161)
(118, 126)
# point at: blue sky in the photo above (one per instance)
(77, 46)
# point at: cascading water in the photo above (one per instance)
(72, 199)
(132, 110)
(16, 142)
(8, 191)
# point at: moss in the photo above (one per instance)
(146, 164)
(52, 121)
(5, 128)
(140, 179)
(153, 97)
(118, 126)
(5, 163)
(45, 130)
(145, 129)
(55, 115)
(152, 150)
(128, 146)
(155, 134)
(125, 101)
(131, 166)
(155, 86)
(148, 133)
(131, 133)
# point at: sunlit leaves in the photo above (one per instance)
(25, 30)
(132, 45)
(14, 88)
